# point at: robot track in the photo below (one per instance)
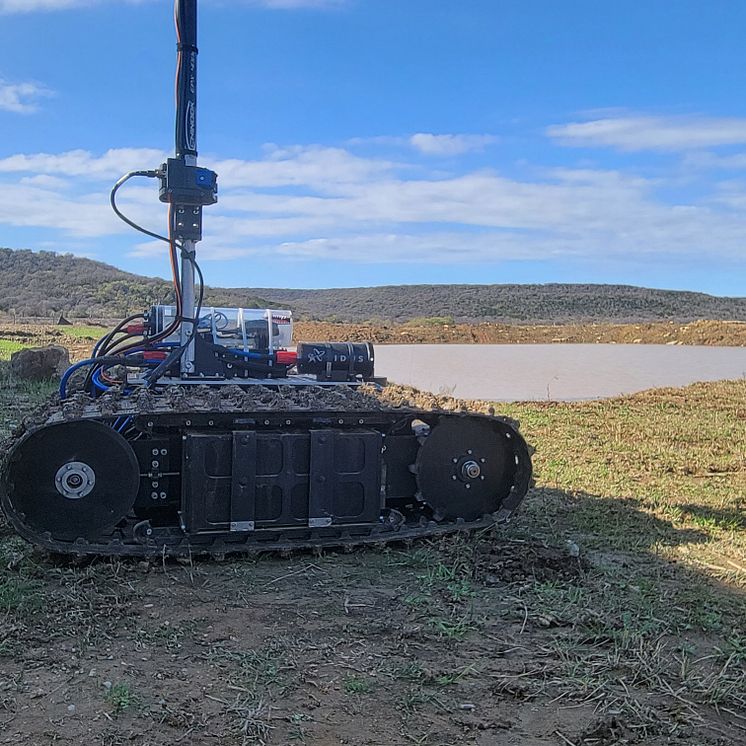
(189, 471)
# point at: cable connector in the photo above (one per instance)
(188, 186)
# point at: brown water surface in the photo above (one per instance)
(554, 371)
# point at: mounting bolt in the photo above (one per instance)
(470, 470)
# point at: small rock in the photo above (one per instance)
(71, 709)
(572, 548)
(40, 363)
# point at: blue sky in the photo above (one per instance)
(368, 142)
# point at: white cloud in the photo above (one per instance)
(315, 202)
(705, 160)
(112, 164)
(449, 144)
(45, 182)
(637, 133)
(21, 98)
(299, 165)
(31, 6)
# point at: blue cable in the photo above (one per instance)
(97, 382)
(251, 355)
(70, 371)
(124, 425)
(77, 366)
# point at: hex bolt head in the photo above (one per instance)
(470, 470)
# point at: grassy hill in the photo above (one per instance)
(509, 303)
(47, 284)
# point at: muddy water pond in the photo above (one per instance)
(554, 371)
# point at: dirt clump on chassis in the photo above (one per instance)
(281, 450)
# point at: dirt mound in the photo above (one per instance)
(511, 562)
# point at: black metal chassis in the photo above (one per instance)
(401, 513)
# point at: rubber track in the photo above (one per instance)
(262, 400)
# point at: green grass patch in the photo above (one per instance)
(121, 697)
(431, 321)
(664, 468)
(357, 685)
(19, 595)
(9, 346)
(83, 332)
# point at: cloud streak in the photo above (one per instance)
(640, 133)
(430, 144)
(21, 98)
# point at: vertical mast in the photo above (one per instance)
(184, 185)
(185, 17)
(186, 216)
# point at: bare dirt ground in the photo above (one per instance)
(722, 333)
(611, 612)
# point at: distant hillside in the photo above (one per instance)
(47, 284)
(508, 303)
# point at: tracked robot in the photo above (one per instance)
(199, 430)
